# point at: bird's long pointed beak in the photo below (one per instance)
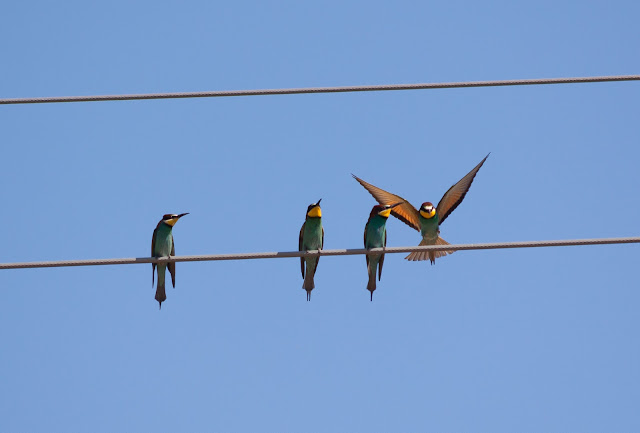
(183, 214)
(396, 204)
(318, 203)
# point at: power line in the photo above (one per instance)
(342, 252)
(371, 88)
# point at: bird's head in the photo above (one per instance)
(427, 210)
(384, 210)
(171, 219)
(314, 211)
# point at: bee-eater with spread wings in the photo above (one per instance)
(428, 218)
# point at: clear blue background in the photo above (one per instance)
(509, 340)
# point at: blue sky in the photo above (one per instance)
(509, 340)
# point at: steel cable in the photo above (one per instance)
(341, 89)
(339, 252)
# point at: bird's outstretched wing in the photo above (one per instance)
(300, 249)
(404, 212)
(172, 265)
(454, 196)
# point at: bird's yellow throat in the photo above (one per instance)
(428, 215)
(385, 213)
(171, 222)
(316, 212)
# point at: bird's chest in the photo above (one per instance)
(429, 227)
(312, 236)
(375, 234)
(164, 243)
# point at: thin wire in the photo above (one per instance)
(342, 252)
(291, 91)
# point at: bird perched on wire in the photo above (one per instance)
(428, 218)
(162, 246)
(311, 238)
(375, 236)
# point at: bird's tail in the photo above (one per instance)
(161, 295)
(308, 283)
(431, 255)
(371, 285)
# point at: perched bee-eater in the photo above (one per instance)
(311, 238)
(427, 220)
(162, 246)
(375, 236)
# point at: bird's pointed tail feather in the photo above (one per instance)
(371, 285)
(161, 295)
(308, 283)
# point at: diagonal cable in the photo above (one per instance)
(340, 89)
(340, 252)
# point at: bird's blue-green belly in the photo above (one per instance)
(375, 233)
(164, 242)
(312, 236)
(429, 229)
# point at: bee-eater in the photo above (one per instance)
(375, 236)
(427, 220)
(311, 238)
(161, 246)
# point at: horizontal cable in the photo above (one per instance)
(371, 88)
(343, 252)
